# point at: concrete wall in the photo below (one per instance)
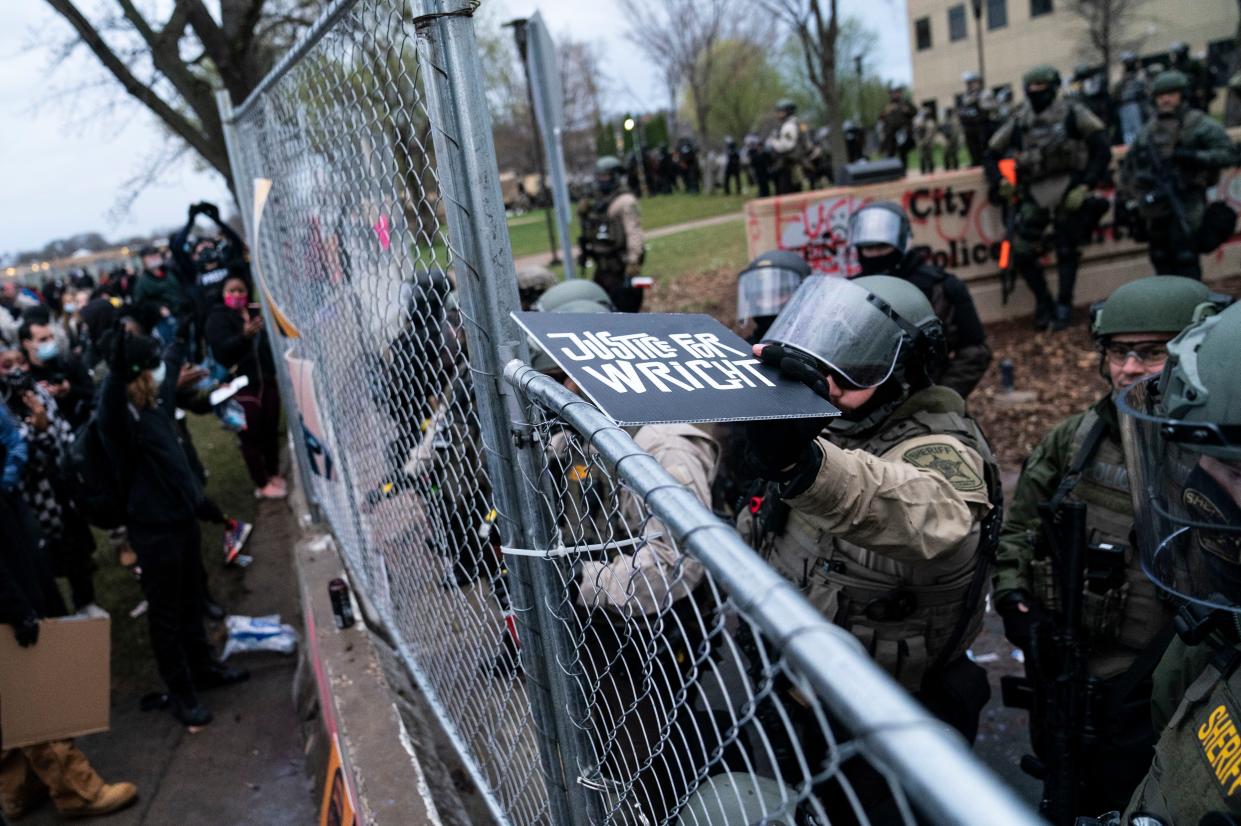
(1057, 38)
(950, 214)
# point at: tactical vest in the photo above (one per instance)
(604, 236)
(1165, 135)
(904, 614)
(1048, 142)
(589, 501)
(1197, 765)
(1122, 610)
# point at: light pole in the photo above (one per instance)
(857, 67)
(982, 66)
(631, 125)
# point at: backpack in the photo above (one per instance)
(91, 478)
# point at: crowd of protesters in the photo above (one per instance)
(97, 376)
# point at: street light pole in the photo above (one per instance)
(635, 125)
(519, 34)
(857, 66)
(982, 66)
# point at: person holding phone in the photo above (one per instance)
(237, 340)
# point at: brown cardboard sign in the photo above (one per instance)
(59, 687)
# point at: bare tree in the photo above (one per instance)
(582, 83)
(818, 29)
(172, 66)
(680, 37)
(1110, 29)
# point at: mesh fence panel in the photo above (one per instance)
(660, 677)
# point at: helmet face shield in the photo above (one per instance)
(1185, 479)
(843, 327)
(764, 291)
(873, 225)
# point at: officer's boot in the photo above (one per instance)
(1066, 268)
(1032, 271)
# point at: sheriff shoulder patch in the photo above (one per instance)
(948, 462)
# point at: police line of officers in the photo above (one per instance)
(891, 521)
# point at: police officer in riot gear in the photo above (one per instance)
(1182, 437)
(976, 111)
(1131, 99)
(611, 236)
(765, 286)
(1201, 85)
(788, 148)
(1062, 152)
(1165, 175)
(897, 119)
(880, 234)
(884, 516)
(1124, 617)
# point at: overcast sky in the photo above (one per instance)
(63, 164)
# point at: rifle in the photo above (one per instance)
(1059, 690)
(1008, 273)
(1164, 190)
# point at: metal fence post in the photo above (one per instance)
(487, 289)
(243, 190)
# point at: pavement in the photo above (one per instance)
(247, 766)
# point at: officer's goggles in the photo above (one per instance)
(1148, 353)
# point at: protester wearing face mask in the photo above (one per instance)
(236, 339)
(59, 372)
(158, 295)
(137, 417)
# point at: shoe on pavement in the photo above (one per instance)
(1064, 317)
(111, 798)
(270, 491)
(189, 711)
(218, 675)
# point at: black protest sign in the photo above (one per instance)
(652, 368)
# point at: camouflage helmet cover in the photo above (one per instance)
(1169, 81)
(1042, 73)
(1157, 304)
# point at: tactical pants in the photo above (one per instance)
(732, 178)
(952, 156)
(1114, 765)
(976, 143)
(784, 179)
(1032, 224)
(57, 769)
(926, 159)
(171, 558)
(611, 276)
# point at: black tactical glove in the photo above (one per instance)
(27, 631)
(1019, 626)
(1187, 156)
(780, 449)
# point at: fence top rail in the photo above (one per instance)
(936, 766)
(426, 10)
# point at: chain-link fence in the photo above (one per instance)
(599, 647)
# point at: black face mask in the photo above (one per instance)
(886, 264)
(1041, 99)
(607, 184)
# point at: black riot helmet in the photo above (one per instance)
(765, 286)
(1179, 52)
(880, 225)
(1129, 60)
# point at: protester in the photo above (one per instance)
(162, 497)
(28, 594)
(63, 375)
(47, 436)
(237, 340)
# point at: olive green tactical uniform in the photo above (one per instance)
(611, 237)
(1123, 620)
(1193, 148)
(1197, 765)
(885, 542)
(1057, 150)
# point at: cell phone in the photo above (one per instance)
(252, 307)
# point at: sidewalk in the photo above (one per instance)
(247, 766)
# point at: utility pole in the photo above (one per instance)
(519, 34)
(857, 67)
(982, 66)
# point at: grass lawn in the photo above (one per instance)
(118, 592)
(528, 232)
(697, 250)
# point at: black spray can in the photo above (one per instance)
(342, 607)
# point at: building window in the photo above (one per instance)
(922, 33)
(997, 14)
(1038, 8)
(956, 23)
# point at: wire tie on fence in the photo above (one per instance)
(565, 550)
